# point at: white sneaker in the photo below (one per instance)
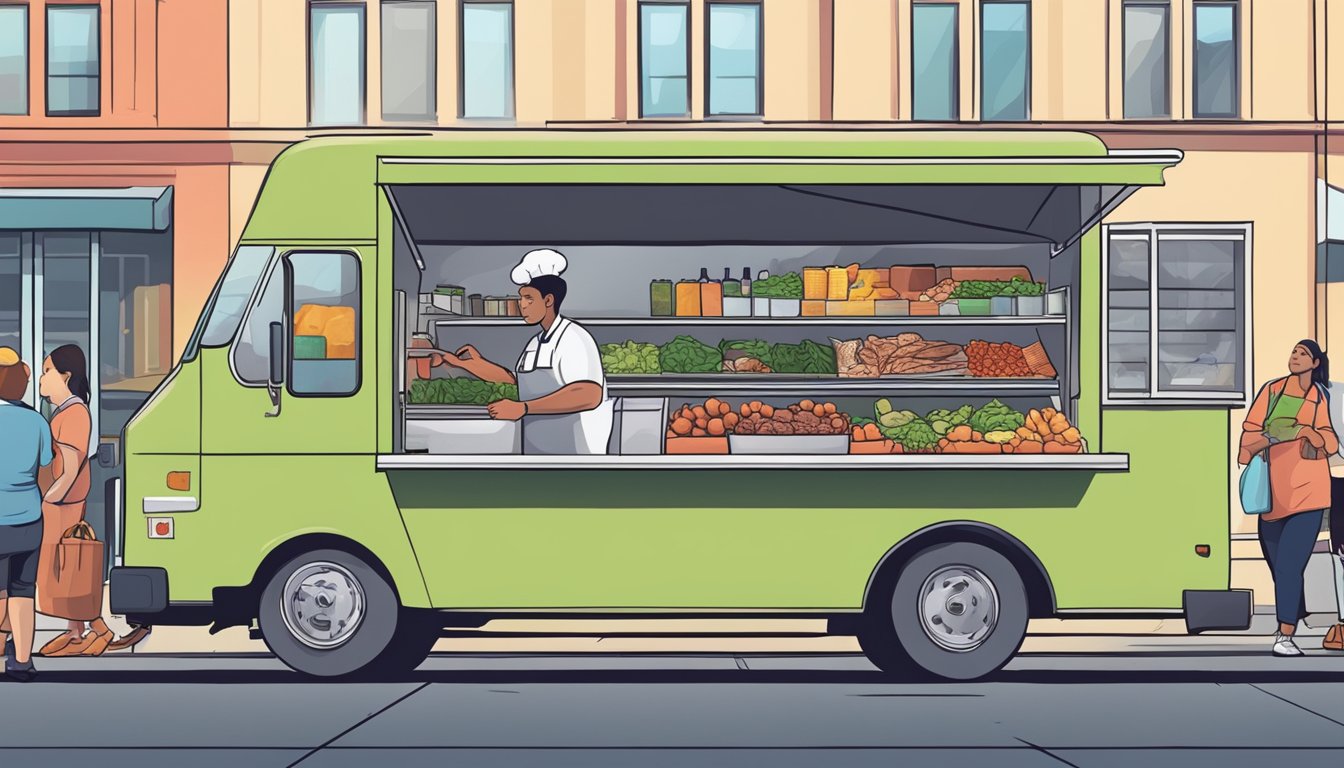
(1284, 646)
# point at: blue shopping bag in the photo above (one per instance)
(1255, 498)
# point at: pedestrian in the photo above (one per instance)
(25, 449)
(1290, 421)
(64, 383)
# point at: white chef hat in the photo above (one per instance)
(542, 261)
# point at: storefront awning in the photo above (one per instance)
(135, 208)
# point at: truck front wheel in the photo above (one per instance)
(957, 611)
(327, 613)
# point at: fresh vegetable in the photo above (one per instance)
(805, 357)
(788, 285)
(714, 418)
(629, 357)
(943, 420)
(995, 417)
(1002, 436)
(915, 436)
(686, 355)
(987, 359)
(755, 348)
(460, 391)
(988, 289)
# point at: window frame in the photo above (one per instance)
(1165, 5)
(288, 321)
(980, 73)
(1152, 232)
(759, 114)
(956, 62)
(1235, 114)
(97, 111)
(363, 55)
(639, 56)
(27, 59)
(271, 270)
(433, 70)
(462, 62)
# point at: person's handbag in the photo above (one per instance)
(76, 591)
(1256, 498)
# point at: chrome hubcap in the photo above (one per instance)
(322, 605)
(958, 608)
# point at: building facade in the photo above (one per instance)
(179, 106)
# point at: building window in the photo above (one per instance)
(1147, 66)
(13, 59)
(734, 66)
(487, 60)
(934, 71)
(409, 60)
(1005, 56)
(72, 60)
(135, 328)
(664, 60)
(1176, 311)
(1216, 59)
(336, 64)
(324, 333)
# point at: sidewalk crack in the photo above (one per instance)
(345, 732)
(1295, 704)
(1047, 752)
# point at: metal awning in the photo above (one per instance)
(134, 208)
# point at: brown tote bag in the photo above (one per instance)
(76, 591)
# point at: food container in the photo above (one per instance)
(814, 308)
(974, 307)
(513, 306)
(451, 298)
(711, 299)
(1030, 306)
(736, 306)
(687, 302)
(638, 425)
(678, 446)
(850, 309)
(912, 280)
(1001, 306)
(924, 309)
(788, 444)
(837, 283)
(786, 307)
(994, 274)
(950, 308)
(660, 298)
(496, 306)
(891, 307)
(760, 306)
(467, 434)
(476, 302)
(1055, 302)
(814, 283)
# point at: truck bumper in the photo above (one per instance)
(138, 591)
(1216, 610)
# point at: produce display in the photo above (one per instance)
(988, 289)
(943, 420)
(940, 292)
(996, 417)
(804, 357)
(990, 360)
(716, 417)
(687, 355)
(906, 354)
(460, 391)
(630, 357)
(788, 285)
(1043, 431)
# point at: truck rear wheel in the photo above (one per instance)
(957, 611)
(328, 613)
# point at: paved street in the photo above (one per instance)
(1149, 706)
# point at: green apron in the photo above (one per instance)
(1281, 423)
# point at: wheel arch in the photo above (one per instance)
(1040, 589)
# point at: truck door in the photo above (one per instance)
(297, 380)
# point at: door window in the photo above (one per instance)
(252, 350)
(324, 339)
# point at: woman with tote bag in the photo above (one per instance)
(1289, 425)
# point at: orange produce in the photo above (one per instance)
(871, 431)
(712, 406)
(857, 435)
(716, 427)
(702, 423)
(768, 411)
(698, 432)
(681, 426)
(1030, 446)
(806, 405)
(730, 420)
(700, 412)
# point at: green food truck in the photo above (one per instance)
(851, 375)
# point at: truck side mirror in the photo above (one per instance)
(277, 373)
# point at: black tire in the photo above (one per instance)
(380, 637)
(417, 632)
(897, 642)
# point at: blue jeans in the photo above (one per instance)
(1287, 546)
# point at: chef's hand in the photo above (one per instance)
(506, 410)
(455, 360)
(468, 351)
(1313, 437)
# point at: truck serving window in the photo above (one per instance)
(232, 294)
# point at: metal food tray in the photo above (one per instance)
(426, 411)
(788, 444)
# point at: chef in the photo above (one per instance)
(561, 389)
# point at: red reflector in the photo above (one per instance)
(162, 528)
(1202, 550)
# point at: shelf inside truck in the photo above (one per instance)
(1094, 462)
(746, 384)
(883, 322)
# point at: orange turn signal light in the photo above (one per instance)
(179, 481)
(1202, 550)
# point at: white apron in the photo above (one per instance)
(538, 373)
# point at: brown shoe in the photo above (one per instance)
(97, 642)
(131, 638)
(1334, 639)
(57, 643)
(73, 648)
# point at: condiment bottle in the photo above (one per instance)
(746, 281)
(731, 287)
(711, 295)
(688, 299)
(660, 298)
